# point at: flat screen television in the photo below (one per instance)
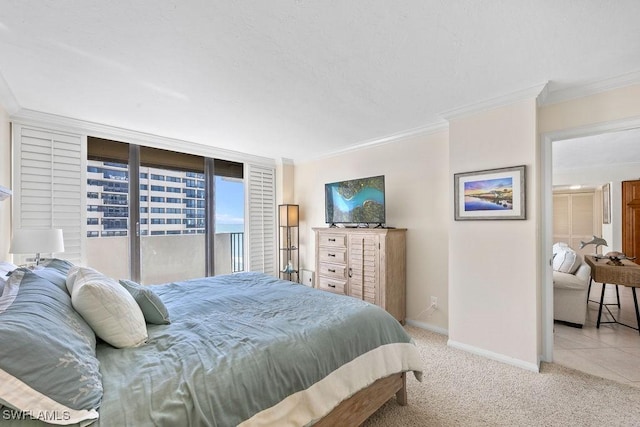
(356, 201)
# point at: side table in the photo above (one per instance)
(627, 274)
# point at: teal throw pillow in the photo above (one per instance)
(152, 307)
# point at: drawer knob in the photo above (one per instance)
(332, 240)
(332, 255)
(331, 270)
(331, 286)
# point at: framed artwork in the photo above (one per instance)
(606, 203)
(490, 194)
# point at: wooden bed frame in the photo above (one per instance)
(356, 409)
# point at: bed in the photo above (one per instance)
(244, 349)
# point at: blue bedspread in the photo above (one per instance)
(237, 345)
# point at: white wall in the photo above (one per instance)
(494, 305)
(417, 184)
(5, 180)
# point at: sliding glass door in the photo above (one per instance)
(107, 244)
(151, 213)
(172, 225)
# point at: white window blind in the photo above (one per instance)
(261, 217)
(49, 186)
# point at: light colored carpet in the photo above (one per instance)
(463, 389)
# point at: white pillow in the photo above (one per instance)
(559, 246)
(107, 307)
(566, 260)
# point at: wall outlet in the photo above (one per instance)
(434, 302)
(307, 278)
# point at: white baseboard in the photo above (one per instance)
(428, 327)
(495, 356)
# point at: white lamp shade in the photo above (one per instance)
(288, 215)
(28, 241)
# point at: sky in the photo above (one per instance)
(229, 201)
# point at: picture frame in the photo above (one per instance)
(606, 203)
(491, 194)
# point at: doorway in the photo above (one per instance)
(606, 151)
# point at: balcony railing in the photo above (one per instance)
(237, 252)
(175, 257)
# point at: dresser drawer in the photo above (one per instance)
(330, 239)
(335, 271)
(336, 255)
(331, 285)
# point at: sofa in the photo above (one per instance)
(571, 276)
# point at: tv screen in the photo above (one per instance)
(357, 201)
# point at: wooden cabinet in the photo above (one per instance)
(365, 263)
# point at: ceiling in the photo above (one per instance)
(299, 79)
(604, 150)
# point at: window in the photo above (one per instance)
(109, 182)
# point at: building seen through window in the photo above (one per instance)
(175, 209)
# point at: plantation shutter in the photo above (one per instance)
(261, 218)
(49, 186)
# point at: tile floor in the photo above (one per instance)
(613, 351)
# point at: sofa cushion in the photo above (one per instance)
(568, 281)
(566, 260)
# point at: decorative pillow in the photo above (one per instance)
(566, 260)
(107, 307)
(152, 307)
(48, 364)
(559, 246)
(54, 270)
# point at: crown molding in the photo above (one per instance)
(7, 99)
(40, 119)
(427, 129)
(592, 88)
(286, 161)
(499, 101)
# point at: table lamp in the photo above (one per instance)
(37, 241)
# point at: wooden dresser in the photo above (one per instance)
(365, 263)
